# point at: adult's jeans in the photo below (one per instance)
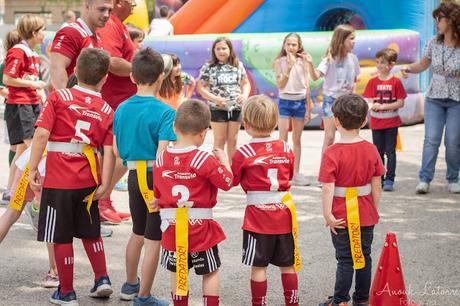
(440, 114)
(345, 270)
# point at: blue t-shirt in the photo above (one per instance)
(139, 124)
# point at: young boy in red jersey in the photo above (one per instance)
(72, 125)
(350, 173)
(264, 168)
(186, 175)
(387, 94)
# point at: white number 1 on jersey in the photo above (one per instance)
(272, 174)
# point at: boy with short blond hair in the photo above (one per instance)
(186, 175)
(264, 167)
(386, 94)
(73, 124)
(350, 173)
(143, 127)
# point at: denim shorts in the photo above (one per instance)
(292, 108)
(327, 106)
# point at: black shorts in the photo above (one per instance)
(20, 121)
(144, 223)
(203, 262)
(63, 215)
(225, 116)
(259, 250)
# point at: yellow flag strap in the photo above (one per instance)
(182, 251)
(88, 151)
(354, 227)
(147, 194)
(289, 202)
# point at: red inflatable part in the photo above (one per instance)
(388, 287)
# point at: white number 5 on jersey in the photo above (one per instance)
(82, 126)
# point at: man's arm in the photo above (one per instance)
(58, 66)
(119, 66)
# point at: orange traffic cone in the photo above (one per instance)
(399, 147)
(388, 287)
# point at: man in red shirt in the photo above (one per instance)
(264, 167)
(184, 174)
(116, 40)
(70, 40)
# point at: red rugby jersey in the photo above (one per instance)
(116, 40)
(71, 39)
(23, 63)
(189, 174)
(265, 164)
(74, 115)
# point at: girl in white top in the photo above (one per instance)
(340, 69)
(292, 72)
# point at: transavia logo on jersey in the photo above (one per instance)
(178, 175)
(168, 173)
(261, 160)
(76, 108)
(271, 160)
(92, 114)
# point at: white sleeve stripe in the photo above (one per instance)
(241, 150)
(199, 157)
(251, 150)
(62, 95)
(69, 93)
(82, 31)
(203, 160)
(195, 158)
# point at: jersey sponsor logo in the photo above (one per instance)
(268, 147)
(92, 114)
(261, 160)
(75, 108)
(167, 173)
(176, 160)
(184, 176)
(279, 160)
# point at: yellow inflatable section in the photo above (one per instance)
(140, 16)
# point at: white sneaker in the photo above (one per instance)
(454, 187)
(300, 180)
(422, 188)
(33, 215)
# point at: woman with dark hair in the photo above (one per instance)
(442, 102)
(224, 83)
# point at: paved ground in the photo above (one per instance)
(427, 229)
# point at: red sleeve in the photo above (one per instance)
(379, 167)
(400, 92)
(112, 39)
(47, 115)
(14, 62)
(217, 173)
(327, 171)
(369, 91)
(108, 139)
(67, 42)
(237, 167)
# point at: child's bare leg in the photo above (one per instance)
(149, 266)
(9, 217)
(283, 128)
(259, 274)
(297, 129)
(259, 285)
(290, 285)
(132, 257)
(211, 283)
(329, 132)
(51, 259)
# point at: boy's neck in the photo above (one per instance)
(385, 76)
(95, 88)
(147, 90)
(349, 136)
(185, 141)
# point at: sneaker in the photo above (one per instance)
(129, 291)
(124, 216)
(422, 188)
(70, 299)
(108, 213)
(330, 302)
(106, 232)
(6, 197)
(51, 281)
(149, 301)
(33, 214)
(388, 185)
(454, 187)
(300, 180)
(102, 288)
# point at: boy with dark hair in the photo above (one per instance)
(264, 167)
(143, 127)
(187, 178)
(387, 94)
(350, 173)
(73, 124)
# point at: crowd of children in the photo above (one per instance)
(173, 184)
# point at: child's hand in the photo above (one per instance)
(377, 107)
(405, 71)
(306, 57)
(38, 84)
(220, 101)
(220, 155)
(291, 60)
(35, 180)
(100, 191)
(240, 99)
(154, 204)
(334, 223)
